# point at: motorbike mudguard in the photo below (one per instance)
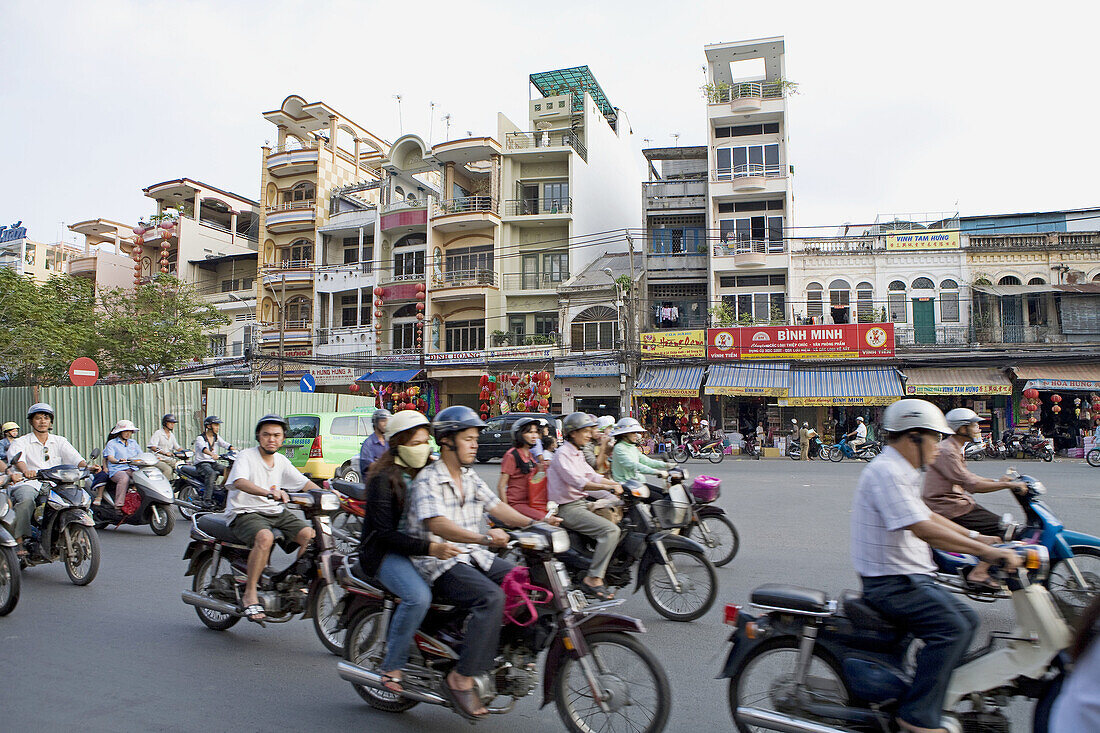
(74, 516)
(652, 555)
(594, 624)
(196, 551)
(708, 510)
(6, 540)
(1080, 539)
(742, 645)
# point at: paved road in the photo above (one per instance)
(126, 654)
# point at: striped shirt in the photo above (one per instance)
(887, 500)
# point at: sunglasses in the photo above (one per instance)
(45, 453)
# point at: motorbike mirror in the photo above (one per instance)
(95, 453)
(15, 458)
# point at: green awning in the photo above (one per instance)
(576, 81)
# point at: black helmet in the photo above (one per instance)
(455, 419)
(576, 421)
(211, 420)
(167, 419)
(379, 415)
(272, 419)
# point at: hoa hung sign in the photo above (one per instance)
(844, 341)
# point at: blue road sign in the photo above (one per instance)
(308, 383)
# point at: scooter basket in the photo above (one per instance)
(706, 488)
(671, 514)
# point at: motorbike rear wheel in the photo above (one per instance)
(1068, 594)
(639, 693)
(1093, 457)
(9, 580)
(187, 493)
(698, 586)
(976, 456)
(364, 646)
(768, 672)
(81, 554)
(161, 520)
(325, 619)
(720, 540)
(200, 583)
(680, 454)
(835, 454)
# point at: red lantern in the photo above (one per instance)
(484, 407)
(1056, 409)
(353, 388)
(379, 291)
(1031, 393)
(379, 303)
(513, 377)
(544, 403)
(544, 376)
(378, 315)
(483, 381)
(1056, 398)
(420, 287)
(420, 306)
(544, 389)
(420, 316)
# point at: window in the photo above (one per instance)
(742, 233)
(348, 306)
(298, 253)
(345, 425)
(839, 301)
(751, 160)
(235, 284)
(739, 206)
(895, 302)
(923, 283)
(218, 345)
(530, 274)
(517, 326)
(814, 295)
(299, 312)
(408, 265)
(865, 303)
(1036, 281)
(949, 301)
(351, 251)
(465, 335)
(465, 262)
(771, 128)
(555, 266)
(556, 197)
(594, 328)
(546, 324)
(300, 193)
(404, 336)
(1009, 280)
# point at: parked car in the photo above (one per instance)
(326, 444)
(496, 438)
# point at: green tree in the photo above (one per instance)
(157, 329)
(723, 314)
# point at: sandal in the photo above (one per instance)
(391, 683)
(97, 502)
(982, 586)
(251, 612)
(599, 592)
(463, 701)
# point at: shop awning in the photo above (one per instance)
(669, 381)
(769, 380)
(1069, 377)
(962, 381)
(391, 375)
(852, 386)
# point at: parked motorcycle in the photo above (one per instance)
(817, 449)
(844, 449)
(1029, 446)
(63, 528)
(712, 450)
(148, 498)
(219, 564)
(679, 580)
(597, 673)
(974, 451)
(995, 448)
(751, 447)
(10, 573)
(813, 664)
(188, 485)
(1093, 457)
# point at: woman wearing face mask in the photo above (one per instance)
(385, 548)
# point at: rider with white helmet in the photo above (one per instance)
(858, 436)
(628, 463)
(891, 533)
(949, 486)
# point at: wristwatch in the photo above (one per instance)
(974, 534)
(488, 539)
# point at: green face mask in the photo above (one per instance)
(413, 456)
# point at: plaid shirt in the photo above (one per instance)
(433, 494)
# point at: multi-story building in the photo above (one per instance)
(102, 261)
(749, 197)
(40, 260)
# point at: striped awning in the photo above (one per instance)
(961, 381)
(669, 381)
(851, 386)
(769, 380)
(1069, 377)
(390, 375)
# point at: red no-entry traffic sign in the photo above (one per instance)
(83, 372)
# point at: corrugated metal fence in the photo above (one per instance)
(86, 414)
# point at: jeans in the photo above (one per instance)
(399, 577)
(23, 497)
(944, 623)
(209, 472)
(477, 591)
(576, 516)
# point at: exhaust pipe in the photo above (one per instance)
(210, 604)
(360, 676)
(784, 723)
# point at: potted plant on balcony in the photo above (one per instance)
(538, 339)
(786, 86)
(501, 338)
(723, 314)
(715, 93)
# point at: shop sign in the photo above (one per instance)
(334, 375)
(845, 341)
(835, 401)
(1073, 385)
(684, 344)
(957, 389)
(922, 240)
(543, 353)
(14, 232)
(588, 368)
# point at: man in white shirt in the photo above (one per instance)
(208, 449)
(858, 437)
(163, 443)
(257, 490)
(36, 450)
(891, 533)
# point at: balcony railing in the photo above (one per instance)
(467, 278)
(688, 194)
(405, 204)
(292, 145)
(292, 205)
(747, 90)
(749, 169)
(535, 280)
(290, 326)
(838, 246)
(749, 246)
(464, 205)
(290, 265)
(1053, 240)
(938, 335)
(538, 207)
(545, 139)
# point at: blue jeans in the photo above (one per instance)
(944, 623)
(399, 577)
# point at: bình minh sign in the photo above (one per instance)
(923, 239)
(843, 341)
(685, 344)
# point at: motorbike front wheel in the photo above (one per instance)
(631, 678)
(1047, 455)
(81, 554)
(1093, 458)
(697, 581)
(719, 538)
(767, 674)
(9, 580)
(347, 530)
(680, 454)
(187, 493)
(325, 619)
(161, 520)
(976, 456)
(365, 646)
(1070, 597)
(835, 454)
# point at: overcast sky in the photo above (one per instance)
(976, 107)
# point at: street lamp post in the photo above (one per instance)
(248, 346)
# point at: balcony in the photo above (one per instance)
(345, 340)
(291, 216)
(1052, 240)
(545, 143)
(398, 214)
(750, 254)
(749, 178)
(467, 212)
(295, 273)
(935, 335)
(845, 246)
(293, 158)
(334, 279)
(676, 262)
(535, 281)
(295, 331)
(458, 284)
(83, 266)
(534, 211)
(745, 98)
(674, 195)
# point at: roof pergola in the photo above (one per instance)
(576, 80)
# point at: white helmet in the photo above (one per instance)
(961, 416)
(913, 414)
(859, 419)
(405, 420)
(626, 425)
(603, 422)
(704, 422)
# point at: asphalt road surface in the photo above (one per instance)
(125, 654)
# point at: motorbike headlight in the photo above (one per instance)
(329, 502)
(559, 540)
(69, 475)
(84, 499)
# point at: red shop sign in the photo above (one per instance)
(845, 341)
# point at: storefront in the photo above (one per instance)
(1067, 397)
(590, 384)
(986, 391)
(741, 395)
(667, 397)
(393, 388)
(831, 398)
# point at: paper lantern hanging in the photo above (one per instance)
(484, 380)
(379, 291)
(1031, 393)
(544, 403)
(420, 307)
(420, 287)
(1056, 398)
(353, 388)
(1056, 409)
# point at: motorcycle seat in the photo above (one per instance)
(354, 575)
(189, 471)
(790, 598)
(358, 492)
(861, 614)
(217, 527)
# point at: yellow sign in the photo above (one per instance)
(834, 401)
(685, 344)
(748, 391)
(923, 239)
(958, 389)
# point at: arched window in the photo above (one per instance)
(814, 295)
(299, 312)
(895, 302)
(408, 263)
(302, 192)
(594, 329)
(865, 302)
(839, 301)
(1036, 281)
(949, 301)
(405, 311)
(398, 193)
(298, 254)
(1096, 278)
(1036, 304)
(923, 283)
(1009, 280)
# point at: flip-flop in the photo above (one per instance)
(599, 592)
(252, 611)
(463, 701)
(391, 683)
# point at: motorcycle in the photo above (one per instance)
(10, 573)
(995, 448)
(812, 664)
(844, 449)
(817, 449)
(680, 582)
(974, 451)
(1029, 446)
(347, 523)
(218, 566)
(62, 527)
(1093, 457)
(148, 498)
(751, 447)
(188, 485)
(712, 450)
(590, 651)
(716, 532)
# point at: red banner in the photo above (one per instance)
(845, 341)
